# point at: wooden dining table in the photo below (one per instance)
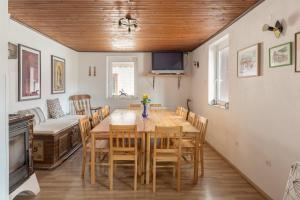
(145, 129)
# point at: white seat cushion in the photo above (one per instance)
(54, 126)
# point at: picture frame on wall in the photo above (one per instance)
(29, 73)
(248, 61)
(280, 55)
(58, 82)
(297, 52)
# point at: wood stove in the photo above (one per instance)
(20, 150)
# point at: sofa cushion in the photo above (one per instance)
(54, 108)
(55, 126)
(39, 115)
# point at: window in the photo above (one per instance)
(218, 73)
(121, 76)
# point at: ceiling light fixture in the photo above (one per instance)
(128, 23)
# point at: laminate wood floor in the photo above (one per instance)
(220, 181)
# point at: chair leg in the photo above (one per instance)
(202, 162)
(83, 164)
(174, 170)
(111, 173)
(154, 176)
(178, 175)
(135, 173)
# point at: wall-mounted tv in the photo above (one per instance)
(167, 62)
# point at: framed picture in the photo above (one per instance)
(249, 61)
(58, 83)
(297, 52)
(280, 55)
(29, 73)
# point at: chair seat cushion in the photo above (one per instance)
(55, 126)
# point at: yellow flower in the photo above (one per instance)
(145, 96)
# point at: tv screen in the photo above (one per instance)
(167, 61)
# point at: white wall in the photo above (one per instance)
(165, 92)
(259, 133)
(20, 34)
(3, 103)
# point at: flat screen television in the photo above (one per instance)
(167, 62)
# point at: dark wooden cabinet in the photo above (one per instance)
(50, 150)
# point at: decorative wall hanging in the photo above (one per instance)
(29, 73)
(90, 70)
(249, 61)
(94, 70)
(277, 29)
(292, 189)
(280, 55)
(297, 52)
(12, 51)
(58, 82)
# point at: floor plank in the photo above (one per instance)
(220, 181)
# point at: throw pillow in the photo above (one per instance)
(54, 108)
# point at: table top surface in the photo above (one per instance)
(155, 118)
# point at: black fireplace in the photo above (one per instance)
(20, 162)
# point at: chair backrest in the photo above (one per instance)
(201, 124)
(178, 110)
(135, 106)
(123, 138)
(85, 128)
(191, 117)
(184, 113)
(105, 110)
(81, 104)
(155, 106)
(95, 119)
(164, 138)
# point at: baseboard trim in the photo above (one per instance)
(257, 188)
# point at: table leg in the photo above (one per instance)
(93, 178)
(196, 163)
(148, 159)
(143, 150)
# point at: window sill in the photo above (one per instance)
(123, 97)
(219, 106)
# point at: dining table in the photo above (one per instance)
(145, 128)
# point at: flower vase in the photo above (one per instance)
(145, 114)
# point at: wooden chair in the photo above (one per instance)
(165, 151)
(135, 106)
(101, 146)
(82, 104)
(189, 145)
(105, 110)
(123, 147)
(191, 118)
(96, 119)
(155, 106)
(184, 113)
(178, 110)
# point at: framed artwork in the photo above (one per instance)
(280, 55)
(297, 52)
(58, 83)
(249, 61)
(29, 73)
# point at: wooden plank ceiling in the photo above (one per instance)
(164, 25)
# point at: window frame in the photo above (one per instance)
(214, 71)
(109, 75)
